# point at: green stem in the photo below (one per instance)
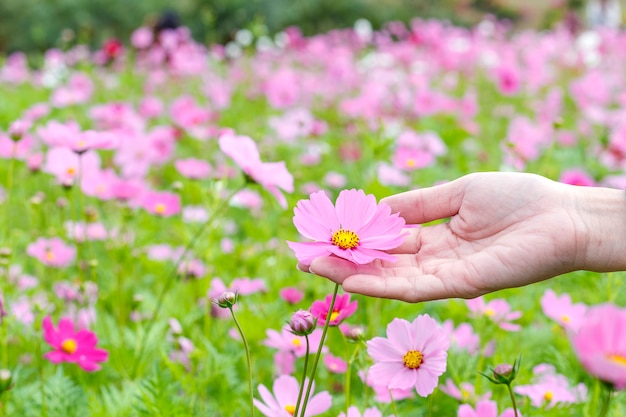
(393, 403)
(348, 376)
(245, 346)
(172, 276)
(306, 364)
(608, 394)
(512, 399)
(319, 350)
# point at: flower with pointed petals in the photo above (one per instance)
(355, 228)
(273, 176)
(600, 344)
(412, 356)
(485, 408)
(52, 252)
(342, 309)
(561, 309)
(283, 402)
(71, 346)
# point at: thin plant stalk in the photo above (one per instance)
(172, 275)
(247, 349)
(349, 375)
(319, 350)
(508, 386)
(608, 394)
(393, 403)
(306, 364)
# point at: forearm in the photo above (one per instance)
(602, 212)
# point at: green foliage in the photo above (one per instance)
(34, 25)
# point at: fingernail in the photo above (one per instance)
(300, 269)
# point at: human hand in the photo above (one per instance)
(505, 230)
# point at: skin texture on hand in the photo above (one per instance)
(504, 230)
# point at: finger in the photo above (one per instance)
(427, 204)
(338, 269)
(410, 289)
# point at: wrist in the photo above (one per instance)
(603, 233)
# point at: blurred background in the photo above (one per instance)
(35, 25)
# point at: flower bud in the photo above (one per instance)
(226, 300)
(6, 380)
(302, 323)
(504, 373)
(18, 129)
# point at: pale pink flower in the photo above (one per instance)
(550, 388)
(335, 364)
(384, 394)
(52, 252)
(283, 402)
(465, 392)
(462, 337)
(600, 344)
(142, 37)
(412, 356)
(342, 309)
(369, 412)
(498, 311)
(356, 228)
(335, 180)
(71, 346)
(163, 204)
(485, 408)
(286, 341)
(291, 295)
(68, 166)
(273, 176)
(192, 168)
(562, 310)
(195, 214)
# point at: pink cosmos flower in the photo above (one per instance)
(600, 344)
(335, 364)
(463, 337)
(384, 394)
(71, 346)
(577, 177)
(162, 204)
(192, 168)
(413, 355)
(273, 176)
(369, 412)
(342, 309)
(498, 310)
(465, 392)
(52, 252)
(550, 388)
(356, 228)
(291, 295)
(286, 341)
(484, 408)
(283, 402)
(562, 310)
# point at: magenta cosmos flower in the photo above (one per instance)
(283, 402)
(71, 346)
(600, 344)
(355, 228)
(273, 176)
(342, 309)
(413, 355)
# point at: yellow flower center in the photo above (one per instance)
(548, 396)
(334, 315)
(618, 359)
(490, 312)
(410, 162)
(296, 342)
(159, 208)
(290, 409)
(465, 394)
(345, 239)
(81, 143)
(413, 359)
(49, 256)
(565, 318)
(69, 346)
(71, 171)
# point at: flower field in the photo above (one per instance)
(157, 194)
